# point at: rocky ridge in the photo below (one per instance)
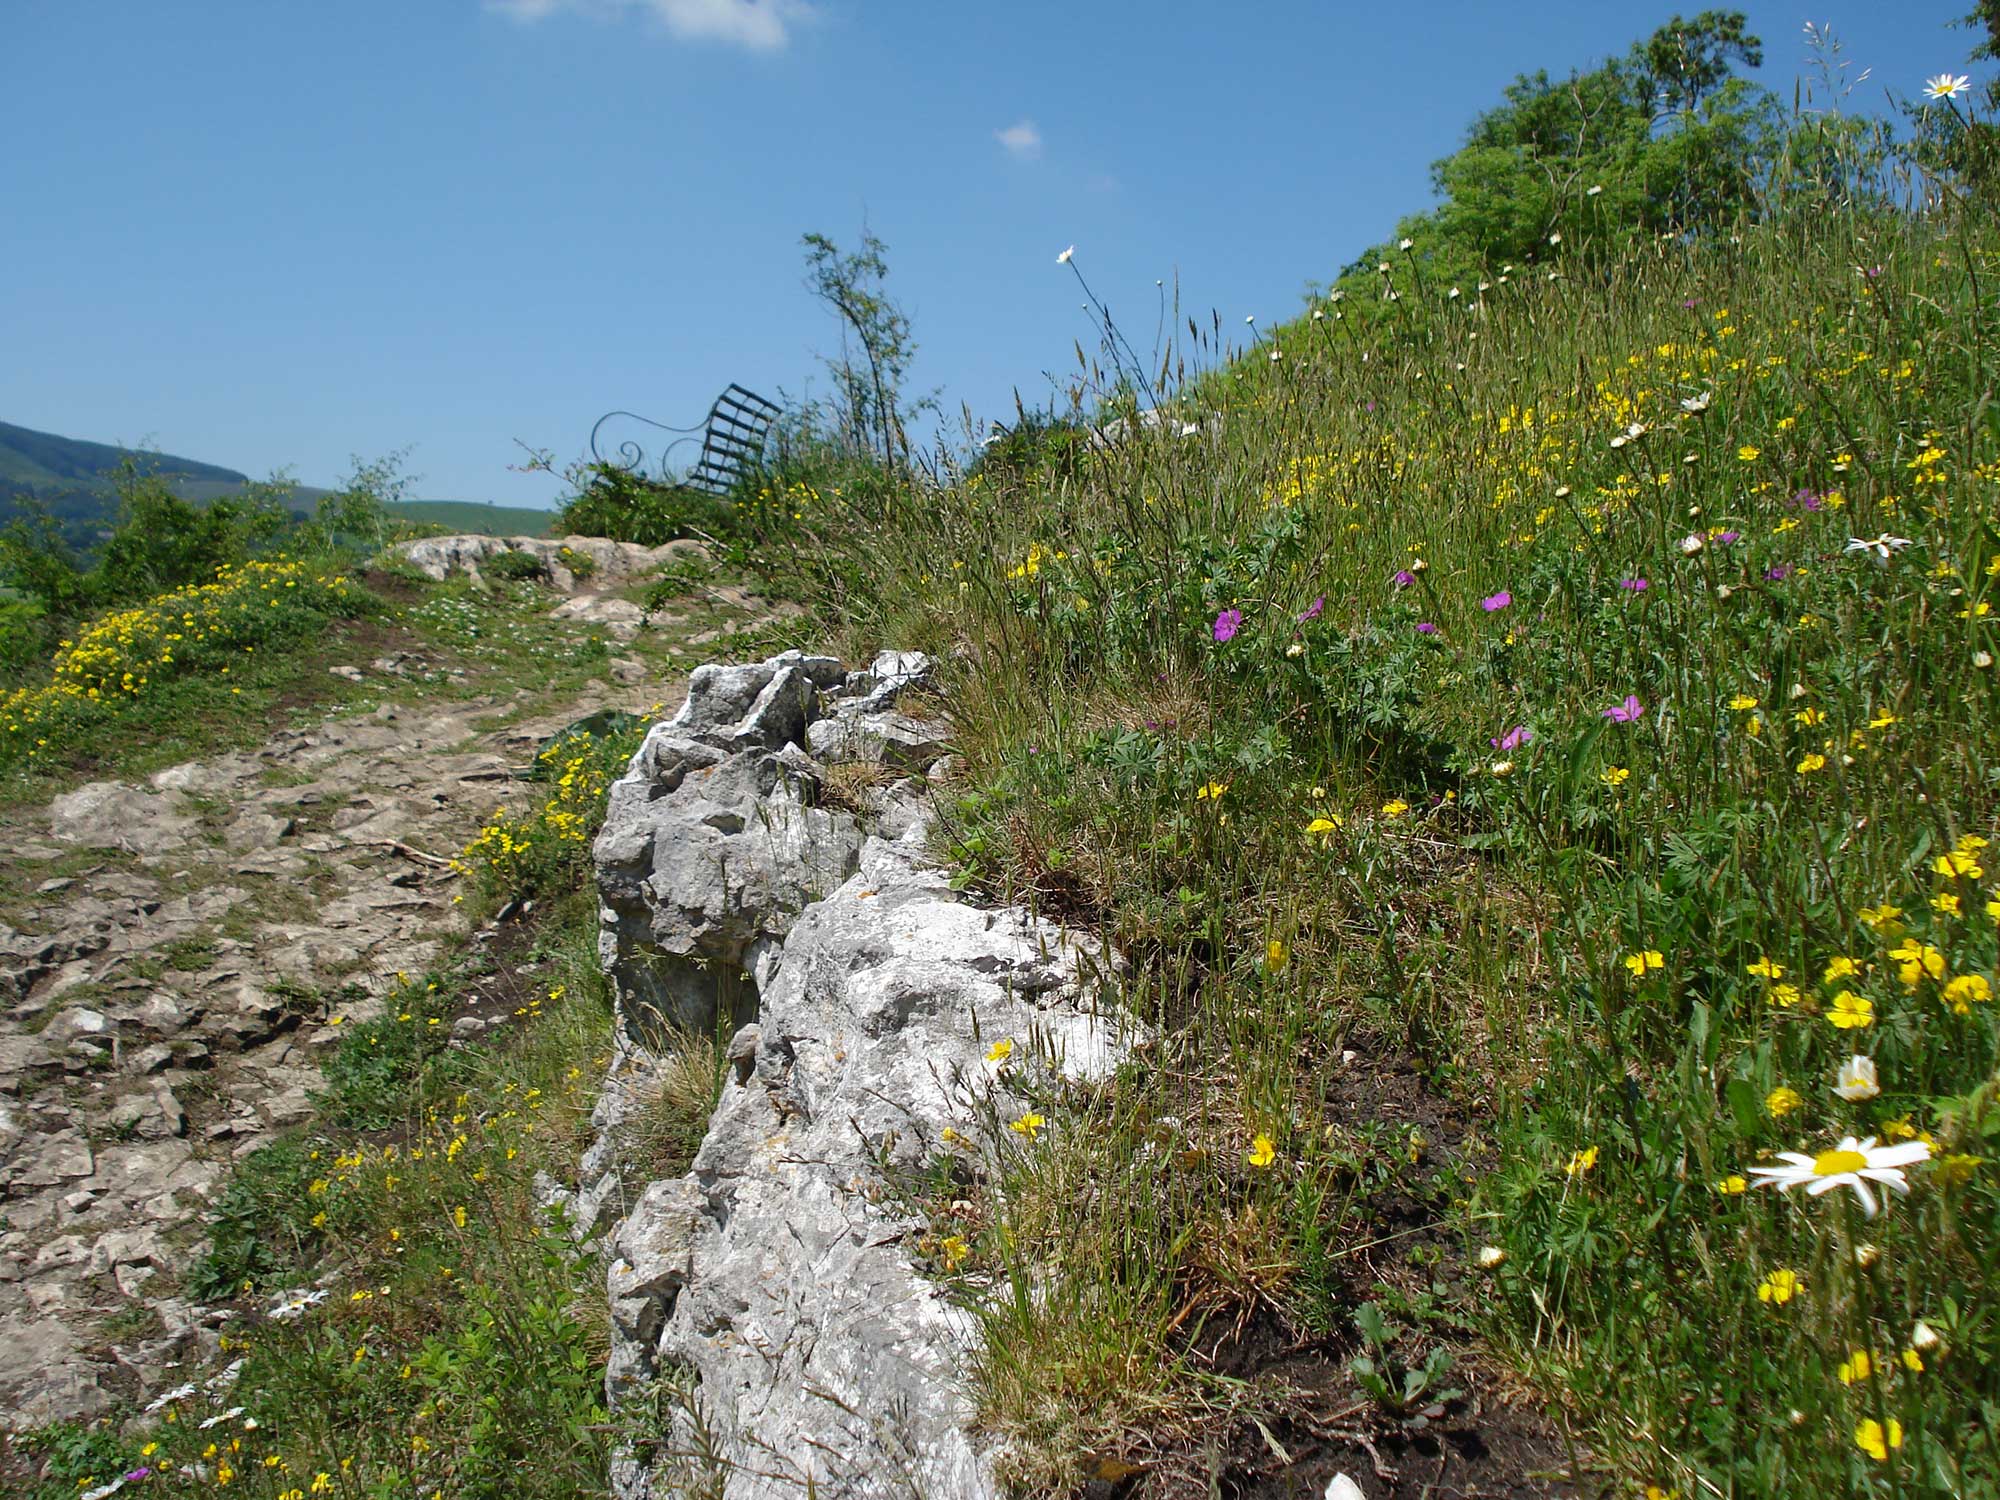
(776, 1287)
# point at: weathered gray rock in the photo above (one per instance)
(711, 843)
(776, 1273)
(609, 563)
(112, 815)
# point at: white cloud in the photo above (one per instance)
(761, 25)
(1021, 139)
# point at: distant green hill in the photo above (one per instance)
(481, 517)
(75, 481)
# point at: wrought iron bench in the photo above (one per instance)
(731, 436)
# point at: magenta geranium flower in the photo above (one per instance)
(1725, 538)
(1497, 601)
(1634, 585)
(1424, 627)
(1403, 578)
(1312, 610)
(1226, 624)
(1626, 712)
(1779, 573)
(1514, 738)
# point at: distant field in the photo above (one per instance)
(483, 519)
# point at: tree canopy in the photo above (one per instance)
(1666, 139)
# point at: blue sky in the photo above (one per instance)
(278, 235)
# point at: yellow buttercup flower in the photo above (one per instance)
(1964, 991)
(1263, 1151)
(1851, 1010)
(1779, 1287)
(1643, 962)
(1871, 1438)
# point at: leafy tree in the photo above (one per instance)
(1663, 140)
(868, 396)
(36, 562)
(164, 542)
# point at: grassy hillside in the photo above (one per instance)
(37, 460)
(1576, 692)
(484, 519)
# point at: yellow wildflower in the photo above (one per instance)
(1851, 1010)
(1779, 1287)
(1872, 1440)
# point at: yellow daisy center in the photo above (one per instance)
(1833, 1163)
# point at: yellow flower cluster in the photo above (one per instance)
(120, 656)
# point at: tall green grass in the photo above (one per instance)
(1581, 677)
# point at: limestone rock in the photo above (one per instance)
(113, 815)
(711, 842)
(777, 1272)
(609, 563)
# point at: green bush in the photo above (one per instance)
(615, 503)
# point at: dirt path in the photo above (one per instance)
(176, 955)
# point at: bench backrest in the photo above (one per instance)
(732, 440)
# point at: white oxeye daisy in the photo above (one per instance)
(1595, 191)
(1944, 86)
(1063, 259)
(1406, 244)
(1251, 319)
(1319, 315)
(1491, 1256)
(1556, 238)
(168, 1398)
(1485, 286)
(1691, 544)
(1694, 406)
(1276, 355)
(1880, 547)
(1856, 1080)
(1852, 1164)
(1453, 294)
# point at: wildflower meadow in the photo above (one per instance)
(1574, 679)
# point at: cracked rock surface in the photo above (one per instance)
(172, 955)
(775, 1280)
